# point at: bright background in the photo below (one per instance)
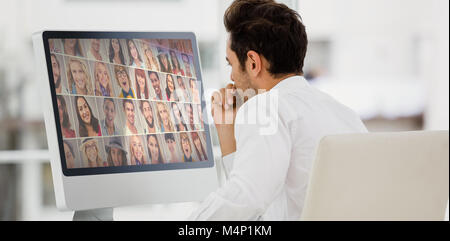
(386, 59)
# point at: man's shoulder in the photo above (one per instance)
(256, 103)
(258, 113)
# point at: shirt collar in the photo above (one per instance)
(292, 83)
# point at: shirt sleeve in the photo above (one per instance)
(257, 174)
(227, 162)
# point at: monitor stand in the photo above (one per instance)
(104, 214)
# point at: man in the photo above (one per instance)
(147, 111)
(130, 114)
(269, 168)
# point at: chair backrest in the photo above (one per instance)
(380, 176)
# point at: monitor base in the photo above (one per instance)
(104, 214)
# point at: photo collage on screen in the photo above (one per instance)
(128, 102)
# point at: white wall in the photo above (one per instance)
(438, 70)
(388, 42)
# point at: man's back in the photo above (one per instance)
(309, 115)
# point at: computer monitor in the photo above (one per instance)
(125, 118)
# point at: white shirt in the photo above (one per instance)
(269, 176)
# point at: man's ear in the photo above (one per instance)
(254, 63)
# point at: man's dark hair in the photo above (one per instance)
(270, 29)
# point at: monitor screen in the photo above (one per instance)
(126, 103)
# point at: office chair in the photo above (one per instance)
(380, 176)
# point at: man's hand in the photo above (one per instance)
(224, 109)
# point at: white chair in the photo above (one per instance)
(380, 176)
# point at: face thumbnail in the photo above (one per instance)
(123, 79)
(84, 111)
(101, 74)
(95, 44)
(133, 50)
(176, 113)
(172, 147)
(56, 70)
(170, 83)
(110, 111)
(130, 112)
(137, 150)
(187, 65)
(190, 113)
(117, 156)
(115, 45)
(91, 151)
(78, 74)
(140, 81)
(186, 145)
(181, 83)
(165, 62)
(164, 116)
(69, 155)
(147, 112)
(61, 111)
(156, 84)
(153, 147)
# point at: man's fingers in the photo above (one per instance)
(216, 98)
(230, 90)
(224, 97)
(222, 101)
